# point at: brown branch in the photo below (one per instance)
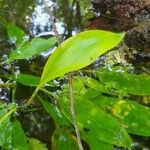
(73, 111)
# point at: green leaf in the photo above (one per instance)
(134, 116)
(5, 128)
(35, 144)
(15, 33)
(11, 132)
(94, 84)
(124, 82)
(19, 140)
(95, 144)
(95, 123)
(79, 51)
(28, 49)
(91, 93)
(26, 79)
(55, 112)
(62, 140)
(61, 120)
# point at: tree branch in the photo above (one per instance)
(73, 111)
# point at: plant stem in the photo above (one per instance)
(7, 84)
(50, 94)
(47, 92)
(32, 97)
(8, 114)
(73, 112)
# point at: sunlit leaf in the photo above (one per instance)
(35, 144)
(62, 140)
(95, 123)
(134, 116)
(28, 49)
(78, 52)
(124, 82)
(15, 33)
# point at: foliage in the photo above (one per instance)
(26, 79)
(127, 112)
(11, 131)
(34, 144)
(63, 140)
(105, 111)
(15, 34)
(130, 83)
(83, 49)
(28, 49)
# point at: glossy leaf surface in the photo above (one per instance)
(127, 111)
(134, 116)
(96, 123)
(28, 49)
(79, 51)
(61, 120)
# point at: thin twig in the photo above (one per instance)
(51, 14)
(7, 85)
(146, 70)
(29, 102)
(73, 111)
(71, 97)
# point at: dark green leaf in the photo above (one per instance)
(95, 122)
(26, 79)
(95, 144)
(59, 118)
(135, 117)
(62, 140)
(91, 93)
(19, 140)
(94, 84)
(124, 82)
(55, 113)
